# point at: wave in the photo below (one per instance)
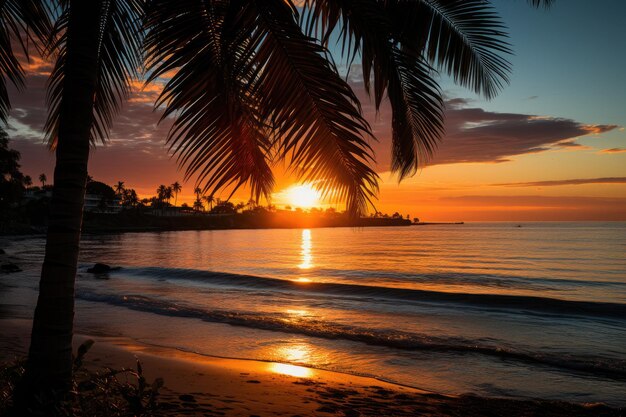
(524, 303)
(612, 368)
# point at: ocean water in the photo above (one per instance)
(487, 308)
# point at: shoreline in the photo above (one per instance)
(90, 230)
(210, 386)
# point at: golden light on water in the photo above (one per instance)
(305, 250)
(291, 370)
(298, 312)
(294, 353)
(303, 196)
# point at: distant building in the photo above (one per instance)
(36, 194)
(97, 203)
(100, 198)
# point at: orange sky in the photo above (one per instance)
(490, 166)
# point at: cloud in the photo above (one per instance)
(578, 181)
(612, 151)
(476, 135)
(572, 145)
(136, 151)
(147, 94)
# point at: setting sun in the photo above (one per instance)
(303, 196)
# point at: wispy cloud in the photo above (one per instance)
(577, 181)
(613, 150)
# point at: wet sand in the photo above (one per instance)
(198, 385)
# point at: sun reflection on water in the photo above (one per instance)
(291, 370)
(299, 312)
(305, 252)
(294, 353)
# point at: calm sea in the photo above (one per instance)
(493, 309)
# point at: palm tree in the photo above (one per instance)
(168, 194)
(177, 188)
(97, 50)
(161, 191)
(43, 179)
(133, 198)
(198, 192)
(129, 198)
(119, 187)
(270, 92)
(27, 181)
(209, 200)
(197, 205)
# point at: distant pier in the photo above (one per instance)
(435, 223)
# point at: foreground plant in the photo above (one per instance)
(107, 393)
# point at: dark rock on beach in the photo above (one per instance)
(102, 268)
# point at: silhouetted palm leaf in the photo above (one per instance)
(255, 83)
(19, 21)
(464, 38)
(398, 42)
(217, 133)
(397, 70)
(317, 116)
(545, 3)
(119, 60)
(251, 89)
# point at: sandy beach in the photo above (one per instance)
(197, 385)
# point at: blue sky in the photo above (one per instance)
(571, 57)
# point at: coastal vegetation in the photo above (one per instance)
(119, 208)
(248, 84)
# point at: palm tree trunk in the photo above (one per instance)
(49, 365)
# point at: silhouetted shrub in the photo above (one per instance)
(108, 393)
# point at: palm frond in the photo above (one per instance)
(119, 60)
(251, 89)
(319, 124)
(398, 71)
(417, 118)
(20, 20)
(464, 38)
(545, 3)
(217, 133)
